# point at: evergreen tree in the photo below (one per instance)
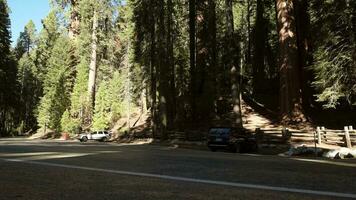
(45, 43)
(95, 23)
(57, 86)
(8, 71)
(26, 41)
(334, 51)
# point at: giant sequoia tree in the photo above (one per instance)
(290, 87)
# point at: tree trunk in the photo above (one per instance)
(93, 63)
(303, 24)
(248, 35)
(170, 63)
(234, 69)
(260, 40)
(163, 73)
(153, 69)
(206, 60)
(192, 57)
(290, 89)
(128, 87)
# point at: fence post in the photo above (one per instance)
(351, 128)
(316, 154)
(324, 133)
(347, 137)
(259, 134)
(286, 134)
(318, 132)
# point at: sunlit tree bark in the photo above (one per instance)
(290, 89)
(232, 64)
(93, 61)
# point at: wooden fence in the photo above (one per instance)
(284, 136)
(280, 136)
(277, 136)
(187, 135)
(346, 137)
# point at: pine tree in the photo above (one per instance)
(8, 71)
(57, 86)
(45, 43)
(26, 41)
(30, 85)
(95, 24)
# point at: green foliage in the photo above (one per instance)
(57, 86)
(110, 101)
(30, 90)
(27, 40)
(335, 44)
(8, 71)
(69, 124)
(102, 108)
(79, 96)
(143, 51)
(45, 43)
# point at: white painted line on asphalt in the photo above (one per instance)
(327, 162)
(192, 180)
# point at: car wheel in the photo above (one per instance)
(104, 139)
(84, 139)
(236, 148)
(255, 147)
(212, 149)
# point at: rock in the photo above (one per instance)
(341, 153)
(330, 154)
(302, 150)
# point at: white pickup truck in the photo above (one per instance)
(96, 135)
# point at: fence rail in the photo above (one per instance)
(283, 136)
(344, 137)
(187, 135)
(320, 135)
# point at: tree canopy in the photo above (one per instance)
(187, 64)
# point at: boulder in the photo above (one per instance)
(340, 153)
(303, 150)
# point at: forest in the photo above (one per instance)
(185, 64)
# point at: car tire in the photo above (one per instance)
(84, 139)
(212, 149)
(236, 148)
(104, 139)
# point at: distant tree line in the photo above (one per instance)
(186, 63)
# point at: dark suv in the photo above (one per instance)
(233, 139)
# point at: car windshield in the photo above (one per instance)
(219, 131)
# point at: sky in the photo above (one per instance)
(22, 11)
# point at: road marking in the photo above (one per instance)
(326, 162)
(44, 155)
(192, 180)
